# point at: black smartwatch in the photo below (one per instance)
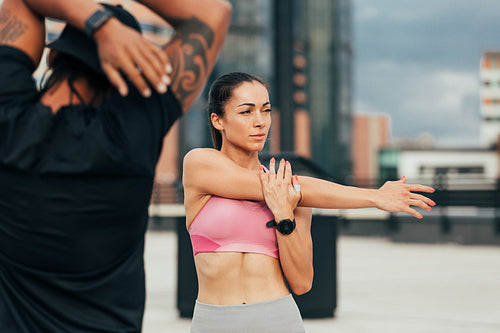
(285, 227)
(96, 20)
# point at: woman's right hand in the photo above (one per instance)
(278, 190)
(397, 196)
(123, 49)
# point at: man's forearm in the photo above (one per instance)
(177, 11)
(200, 30)
(74, 12)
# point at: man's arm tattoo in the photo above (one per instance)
(11, 28)
(189, 61)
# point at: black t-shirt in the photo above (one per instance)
(74, 193)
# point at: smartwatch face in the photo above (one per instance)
(286, 227)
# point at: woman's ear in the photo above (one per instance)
(216, 122)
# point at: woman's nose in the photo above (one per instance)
(259, 119)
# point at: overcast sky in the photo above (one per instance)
(419, 62)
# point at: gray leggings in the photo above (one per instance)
(273, 316)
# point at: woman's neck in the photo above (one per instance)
(244, 158)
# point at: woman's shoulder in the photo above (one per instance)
(202, 155)
(198, 162)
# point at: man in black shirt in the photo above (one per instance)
(77, 159)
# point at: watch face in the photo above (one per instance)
(286, 227)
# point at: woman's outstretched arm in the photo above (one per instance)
(211, 172)
(393, 196)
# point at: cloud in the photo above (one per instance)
(441, 102)
(367, 12)
(413, 11)
(454, 32)
(419, 62)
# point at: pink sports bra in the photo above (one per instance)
(229, 225)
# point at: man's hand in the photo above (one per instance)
(123, 50)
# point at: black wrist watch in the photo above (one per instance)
(285, 227)
(96, 20)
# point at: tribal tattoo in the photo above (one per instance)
(190, 61)
(11, 28)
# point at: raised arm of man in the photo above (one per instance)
(200, 30)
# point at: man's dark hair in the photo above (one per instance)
(64, 67)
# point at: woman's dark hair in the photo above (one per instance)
(220, 92)
(64, 66)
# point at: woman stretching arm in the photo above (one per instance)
(241, 183)
(243, 247)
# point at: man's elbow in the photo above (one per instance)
(226, 8)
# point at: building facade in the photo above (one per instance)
(370, 133)
(330, 55)
(489, 73)
(452, 169)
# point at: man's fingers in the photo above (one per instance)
(116, 79)
(135, 76)
(143, 70)
(152, 69)
(164, 67)
(129, 54)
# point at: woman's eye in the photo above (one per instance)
(267, 110)
(245, 112)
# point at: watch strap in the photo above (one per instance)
(96, 20)
(271, 224)
(285, 227)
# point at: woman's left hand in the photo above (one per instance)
(396, 196)
(278, 189)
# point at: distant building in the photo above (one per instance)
(443, 168)
(329, 51)
(489, 73)
(472, 168)
(370, 133)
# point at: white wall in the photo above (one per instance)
(489, 132)
(411, 162)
